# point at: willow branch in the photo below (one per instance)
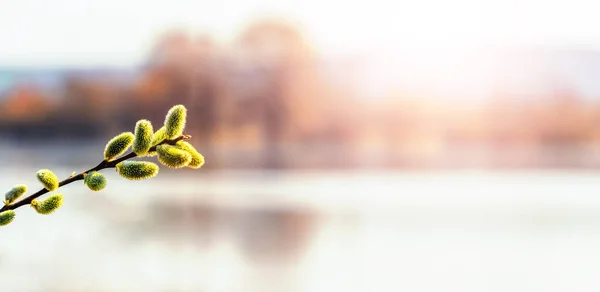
(102, 165)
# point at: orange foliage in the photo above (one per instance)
(25, 104)
(152, 85)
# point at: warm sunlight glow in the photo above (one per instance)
(104, 34)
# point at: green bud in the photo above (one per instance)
(13, 194)
(95, 181)
(172, 156)
(197, 158)
(158, 136)
(6, 217)
(175, 121)
(48, 179)
(137, 170)
(143, 137)
(48, 205)
(118, 145)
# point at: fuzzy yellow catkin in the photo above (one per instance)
(197, 158)
(48, 179)
(137, 170)
(158, 136)
(143, 137)
(14, 193)
(172, 156)
(175, 121)
(48, 205)
(118, 145)
(96, 181)
(6, 217)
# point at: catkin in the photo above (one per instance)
(96, 181)
(197, 159)
(6, 217)
(137, 170)
(14, 193)
(48, 179)
(49, 205)
(172, 156)
(143, 137)
(118, 145)
(175, 121)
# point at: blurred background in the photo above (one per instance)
(351, 146)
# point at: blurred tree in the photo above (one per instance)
(204, 85)
(25, 103)
(96, 99)
(277, 55)
(181, 69)
(164, 79)
(23, 111)
(173, 50)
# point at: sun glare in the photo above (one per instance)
(77, 32)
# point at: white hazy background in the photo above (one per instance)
(44, 33)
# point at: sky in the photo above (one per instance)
(120, 33)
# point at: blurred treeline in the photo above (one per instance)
(261, 90)
(263, 100)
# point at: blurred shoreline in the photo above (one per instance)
(88, 152)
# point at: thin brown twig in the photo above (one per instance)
(102, 165)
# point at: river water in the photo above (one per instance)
(311, 231)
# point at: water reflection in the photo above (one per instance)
(261, 233)
(301, 232)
